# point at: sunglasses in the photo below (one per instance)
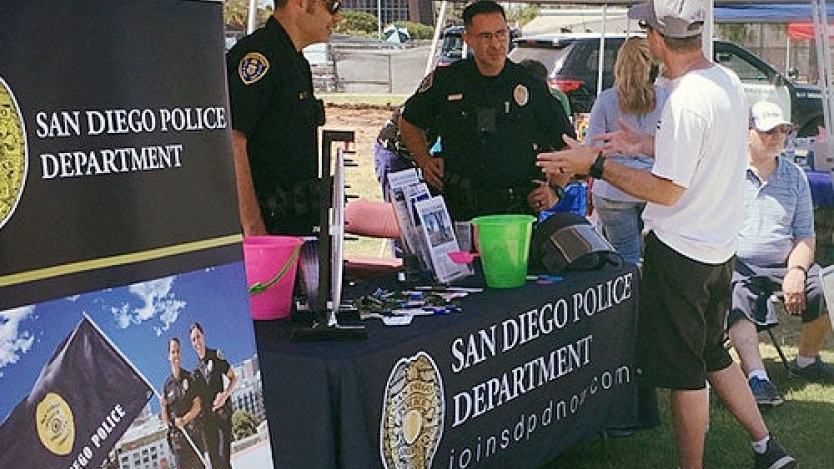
(332, 6)
(643, 24)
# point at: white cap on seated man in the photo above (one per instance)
(766, 115)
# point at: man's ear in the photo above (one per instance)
(467, 38)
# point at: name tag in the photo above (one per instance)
(454, 97)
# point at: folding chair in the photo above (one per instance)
(778, 303)
(827, 280)
(775, 302)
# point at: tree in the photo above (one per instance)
(236, 13)
(738, 33)
(357, 23)
(417, 30)
(522, 14)
(243, 424)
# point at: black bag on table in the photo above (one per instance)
(567, 241)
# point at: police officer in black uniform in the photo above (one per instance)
(493, 117)
(181, 406)
(216, 415)
(275, 119)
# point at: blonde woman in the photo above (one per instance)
(638, 101)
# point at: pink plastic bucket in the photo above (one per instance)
(271, 263)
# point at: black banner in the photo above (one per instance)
(115, 145)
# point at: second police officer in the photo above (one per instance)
(181, 406)
(217, 379)
(493, 116)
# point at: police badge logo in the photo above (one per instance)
(55, 424)
(13, 153)
(252, 67)
(521, 95)
(413, 414)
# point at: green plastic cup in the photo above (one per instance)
(504, 244)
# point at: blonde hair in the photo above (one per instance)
(632, 77)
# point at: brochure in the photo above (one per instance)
(439, 232)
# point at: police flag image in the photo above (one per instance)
(85, 398)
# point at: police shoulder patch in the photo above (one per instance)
(426, 83)
(252, 67)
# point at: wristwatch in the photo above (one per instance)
(596, 169)
(799, 267)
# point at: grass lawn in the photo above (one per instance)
(803, 424)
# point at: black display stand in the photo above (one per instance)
(325, 324)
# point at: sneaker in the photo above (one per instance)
(765, 393)
(775, 457)
(818, 372)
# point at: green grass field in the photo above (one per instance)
(803, 424)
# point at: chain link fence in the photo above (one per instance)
(371, 69)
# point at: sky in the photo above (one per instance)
(139, 319)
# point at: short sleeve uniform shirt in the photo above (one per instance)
(179, 393)
(272, 103)
(210, 371)
(491, 129)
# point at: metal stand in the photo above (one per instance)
(331, 248)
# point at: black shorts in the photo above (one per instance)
(683, 302)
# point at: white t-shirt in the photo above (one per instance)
(701, 145)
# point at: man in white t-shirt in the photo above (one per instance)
(692, 220)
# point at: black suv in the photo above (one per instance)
(573, 63)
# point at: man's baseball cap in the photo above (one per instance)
(765, 115)
(672, 18)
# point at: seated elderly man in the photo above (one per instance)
(776, 254)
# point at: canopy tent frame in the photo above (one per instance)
(824, 57)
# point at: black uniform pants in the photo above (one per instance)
(183, 451)
(217, 434)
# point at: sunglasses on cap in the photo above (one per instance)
(332, 6)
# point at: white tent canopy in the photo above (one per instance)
(580, 20)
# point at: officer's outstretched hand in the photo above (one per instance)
(432, 169)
